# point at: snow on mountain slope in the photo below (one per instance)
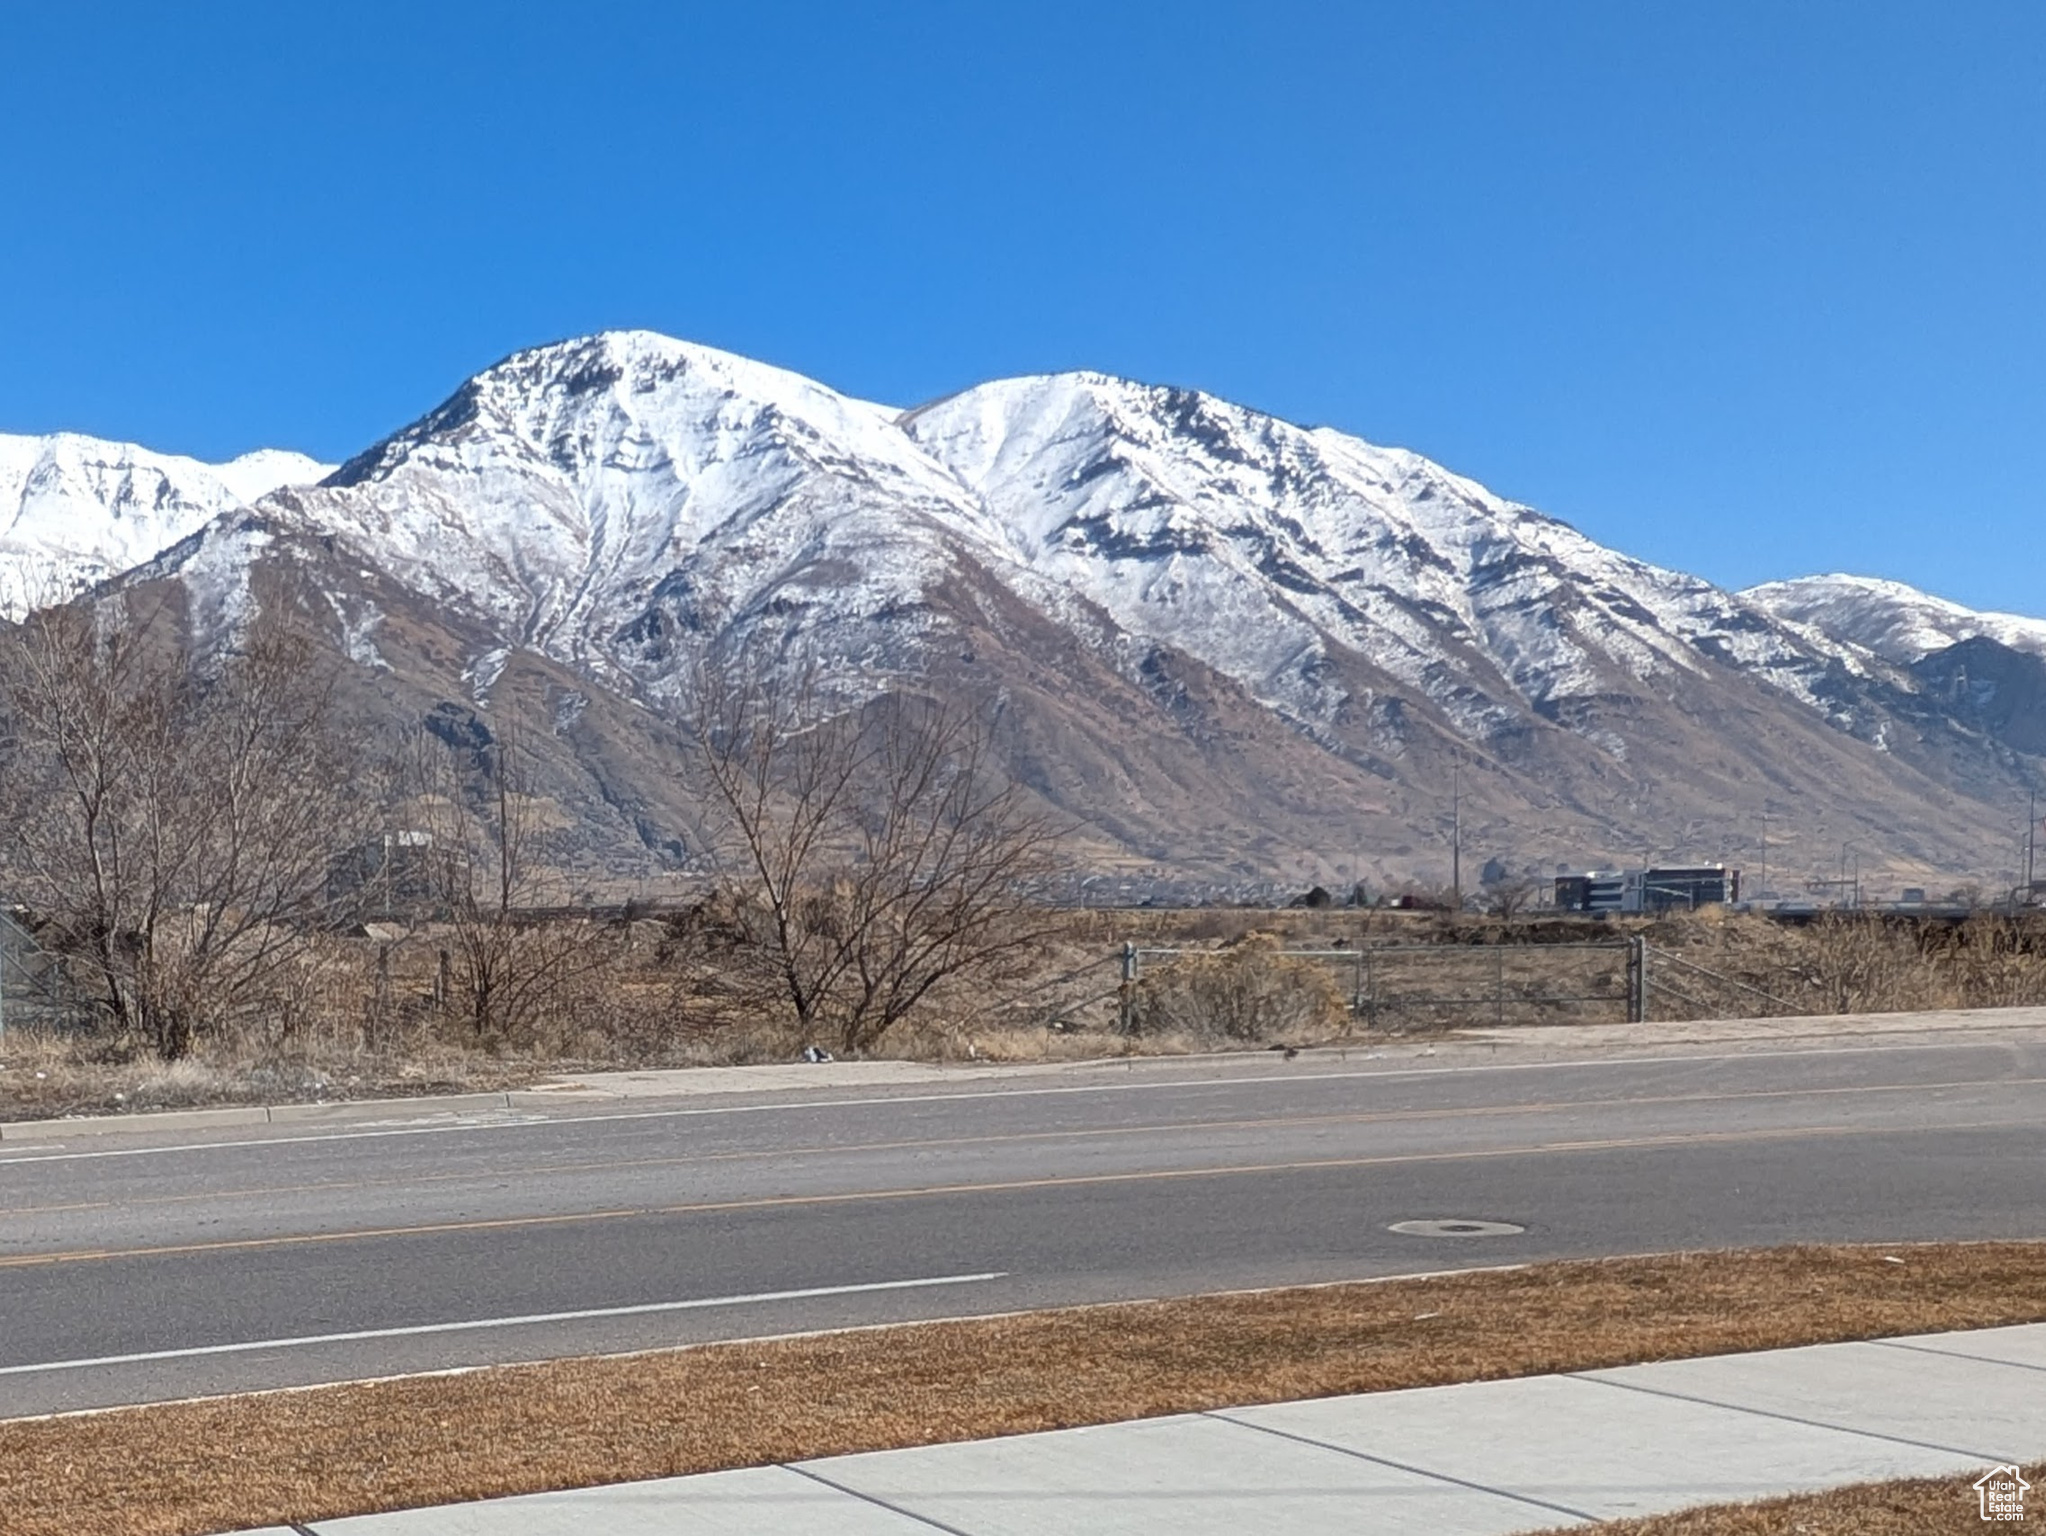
(599, 496)
(1895, 621)
(257, 473)
(606, 499)
(75, 510)
(1258, 546)
(1148, 579)
(612, 500)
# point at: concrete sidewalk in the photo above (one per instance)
(1482, 1459)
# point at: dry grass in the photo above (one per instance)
(1853, 963)
(45, 1075)
(1915, 1507)
(1252, 991)
(332, 1451)
(364, 1023)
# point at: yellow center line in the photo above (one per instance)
(1365, 1117)
(927, 1191)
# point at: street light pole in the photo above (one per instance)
(1456, 834)
(1762, 889)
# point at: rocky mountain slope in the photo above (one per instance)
(1227, 647)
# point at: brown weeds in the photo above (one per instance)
(1911, 1507)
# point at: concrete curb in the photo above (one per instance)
(13, 1131)
(613, 1088)
(352, 1109)
(586, 1091)
(677, 1083)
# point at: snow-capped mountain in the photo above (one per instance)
(75, 510)
(1261, 547)
(1893, 620)
(1218, 640)
(592, 497)
(595, 496)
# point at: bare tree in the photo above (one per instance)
(170, 817)
(1510, 895)
(507, 963)
(872, 856)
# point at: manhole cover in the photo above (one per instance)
(1450, 1226)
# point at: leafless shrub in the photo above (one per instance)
(871, 858)
(1993, 960)
(1866, 965)
(503, 966)
(1854, 963)
(170, 817)
(1250, 991)
(1509, 896)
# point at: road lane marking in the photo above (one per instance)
(1005, 1186)
(417, 1330)
(1363, 1117)
(533, 1122)
(75, 1205)
(246, 1394)
(81, 1255)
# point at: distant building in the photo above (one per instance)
(389, 873)
(1672, 887)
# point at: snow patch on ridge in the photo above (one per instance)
(77, 510)
(1897, 622)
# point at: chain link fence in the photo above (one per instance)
(35, 988)
(1420, 987)
(1403, 987)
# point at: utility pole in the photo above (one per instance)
(1762, 889)
(2032, 827)
(1456, 835)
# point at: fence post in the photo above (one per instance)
(1637, 980)
(1127, 1015)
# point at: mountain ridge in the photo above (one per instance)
(1894, 620)
(1251, 602)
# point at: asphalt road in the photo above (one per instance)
(140, 1268)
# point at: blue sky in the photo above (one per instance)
(1751, 290)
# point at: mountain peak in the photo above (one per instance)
(656, 388)
(1895, 620)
